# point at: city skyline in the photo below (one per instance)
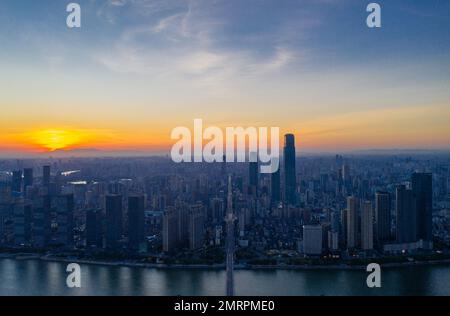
(326, 212)
(137, 69)
(339, 207)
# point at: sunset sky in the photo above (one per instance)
(136, 69)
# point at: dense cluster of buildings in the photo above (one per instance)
(313, 206)
(366, 226)
(43, 212)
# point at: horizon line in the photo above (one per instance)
(97, 153)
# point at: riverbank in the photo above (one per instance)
(342, 266)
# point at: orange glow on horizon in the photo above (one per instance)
(419, 127)
(43, 140)
(54, 139)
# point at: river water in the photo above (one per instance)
(36, 277)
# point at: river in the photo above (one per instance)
(36, 277)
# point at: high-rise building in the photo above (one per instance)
(343, 230)
(383, 217)
(223, 167)
(335, 221)
(65, 220)
(312, 239)
(2, 226)
(196, 226)
(406, 215)
(46, 176)
(352, 222)
(241, 222)
(347, 186)
(448, 184)
(346, 172)
(114, 220)
(28, 219)
(253, 174)
(136, 217)
(41, 234)
(217, 206)
(170, 229)
(289, 169)
(275, 191)
(423, 193)
(16, 185)
(27, 178)
(183, 226)
(326, 228)
(94, 236)
(22, 224)
(367, 226)
(333, 240)
(230, 242)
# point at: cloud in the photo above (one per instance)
(202, 62)
(111, 10)
(194, 41)
(117, 3)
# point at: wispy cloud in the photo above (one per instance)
(192, 43)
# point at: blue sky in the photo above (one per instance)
(302, 65)
(329, 28)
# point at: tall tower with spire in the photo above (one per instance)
(289, 169)
(230, 243)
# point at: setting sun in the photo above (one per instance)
(54, 139)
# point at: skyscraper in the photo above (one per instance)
(64, 218)
(28, 218)
(352, 221)
(136, 219)
(113, 220)
(346, 173)
(42, 221)
(275, 193)
(46, 176)
(333, 240)
(289, 168)
(423, 193)
(182, 213)
(230, 246)
(312, 239)
(196, 226)
(22, 224)
(27, 178)
(253, 173)
(406, 215)
(343, 230)
(383, 217)
(217, 206)
(16, 185)
(347, 179)
(170, 229)
(223, 167)
(367, 226)
(94, 228)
